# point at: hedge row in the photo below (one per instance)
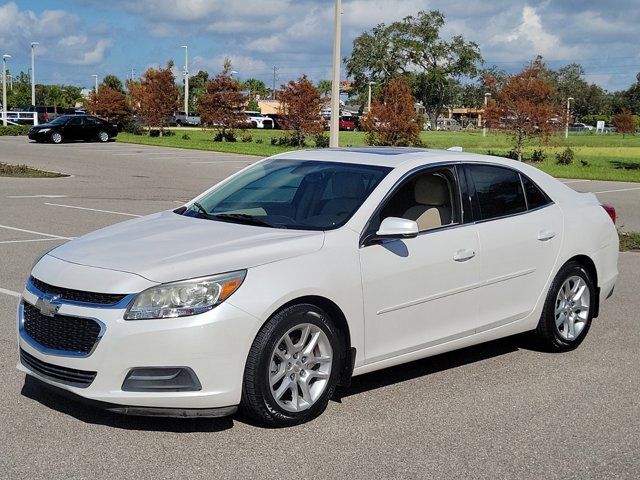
(14, 130)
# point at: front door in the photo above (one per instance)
(421, 291)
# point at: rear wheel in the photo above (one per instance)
(103, 136)
(293, 367)
(56, 137)
(568, 309)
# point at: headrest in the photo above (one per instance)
(432, 190)
(347, 185)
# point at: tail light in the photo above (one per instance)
(610, 209)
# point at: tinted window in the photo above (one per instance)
(536, 198)
(92, 121)
(297, 194)
(75, 121)
(498, 190)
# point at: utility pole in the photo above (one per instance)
(186, 80)
(334, 138)
(133, 74)
(484, 120)
(96, 78)
(273, 90)
(369, 100)
(566, 123)
(33, 73)
(4, 88)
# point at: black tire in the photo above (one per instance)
(257, 399)
(547, 333)
(103, 136)
(56, 137)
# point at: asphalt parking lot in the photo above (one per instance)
(499, 410)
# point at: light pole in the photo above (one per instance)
(232, 73)
(566, 123)
(369, 100)
(4, 88)
(186, 79)
(484, 120)
(96, 78)
(334, 138)
(33, 73)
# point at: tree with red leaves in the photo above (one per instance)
(222, 105)
(300, 109)
(393, 121)
(155, 97)
(523, 106)
(110, 104)
(624, 123)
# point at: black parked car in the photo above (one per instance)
(74, 127)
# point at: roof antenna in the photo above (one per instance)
(454, 149)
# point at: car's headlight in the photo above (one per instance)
(44, 130)
(188, 297)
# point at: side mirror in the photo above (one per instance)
(394, 227)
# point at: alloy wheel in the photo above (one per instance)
(300, 367)
(103, 136)
(572, 307)
(56, 137)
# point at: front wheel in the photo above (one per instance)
(103, 136)
(568, 309)
(293, 367)
(56, 137)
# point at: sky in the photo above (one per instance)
(80, 38)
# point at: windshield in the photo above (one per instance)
(59, 120)
(298, 194)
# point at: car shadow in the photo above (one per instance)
(621, 165)
(40, 392)
(435, 364)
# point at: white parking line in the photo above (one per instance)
(181, 158)
(619, 190)
(575, 181)
(9, 292)
(92, 209)
(35, 233)
(223, 161)
(31, 240)
(37, 196)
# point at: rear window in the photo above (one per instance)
(498, 190)
(536, 198)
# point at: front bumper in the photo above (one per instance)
(214, 345)
(39, 134)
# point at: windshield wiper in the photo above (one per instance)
(242, 218)
(201, 210)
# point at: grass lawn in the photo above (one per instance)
(608, 157)
(7, 170)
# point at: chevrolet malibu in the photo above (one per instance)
(305, 269)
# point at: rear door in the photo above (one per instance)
(520, 231)
(73, 129)
(91, 127)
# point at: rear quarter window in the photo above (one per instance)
(499, 191)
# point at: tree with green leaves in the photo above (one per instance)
(414, 46)
(255, 88)
(113, 82)
(324, 87)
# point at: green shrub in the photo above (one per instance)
(165, 133)
(154, 132)
(133, 128)
(185, 136)
(512, 154)
(321, 140)
(538, 156)
(565, 157)
(259, 140)
(246, 138)
(14, 130)
(168, 133)
(274, 140)
(228, 136)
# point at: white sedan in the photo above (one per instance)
(307, 268)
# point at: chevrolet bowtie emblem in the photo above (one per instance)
(48, 306)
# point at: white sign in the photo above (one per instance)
(600, 126)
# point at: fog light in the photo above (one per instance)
(156, 379)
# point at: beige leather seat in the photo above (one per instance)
(433, 200)
(348, 190)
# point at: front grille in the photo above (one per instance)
(70, 376)
(61, 332)
(77, 295)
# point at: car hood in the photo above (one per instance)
(165, 246)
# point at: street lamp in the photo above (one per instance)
(33, 73)
(4, 88)
(186, 79)
(334, 138)
(566, 123)
(484, 120)
(96, 78)
(369, 101)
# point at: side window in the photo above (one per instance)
(536, 198)
(75, 121)
(498, 190)
(429, 198)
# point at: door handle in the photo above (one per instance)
(544, 235)
(463, 255)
